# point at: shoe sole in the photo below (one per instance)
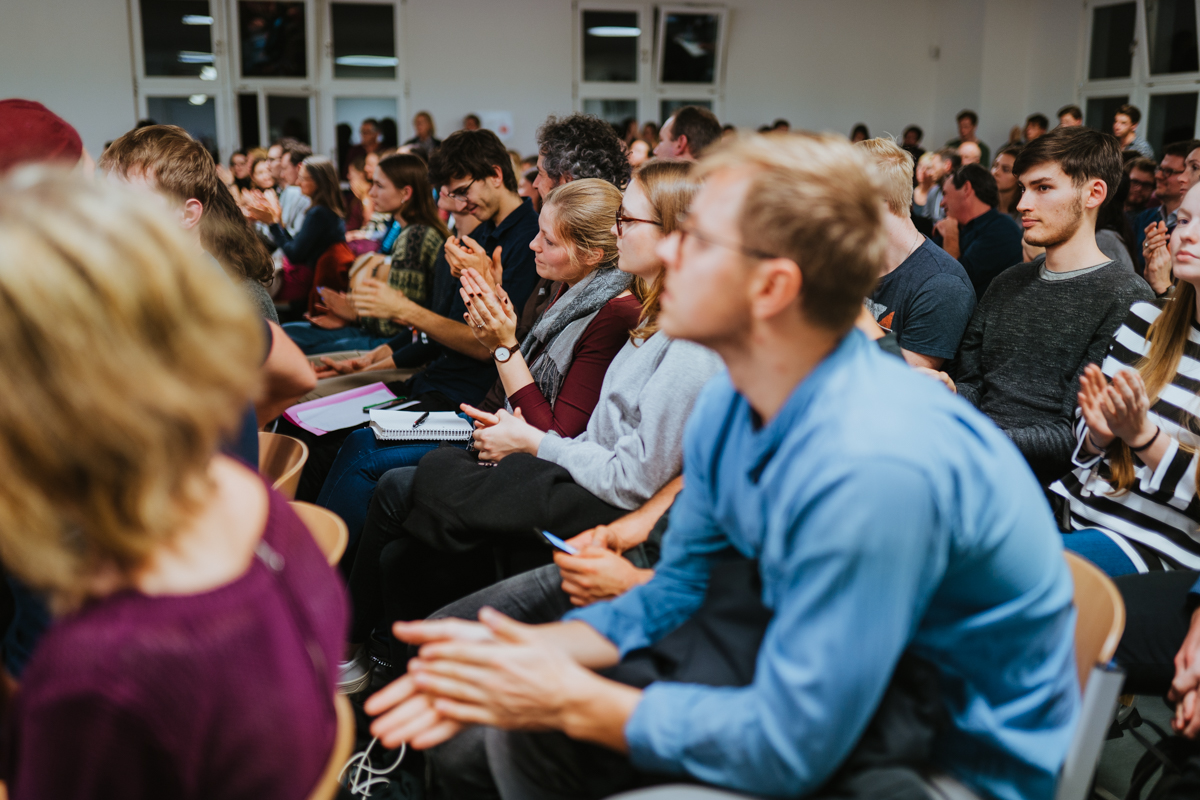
(355, 686)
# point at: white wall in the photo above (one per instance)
(74, 56)
(823, 64)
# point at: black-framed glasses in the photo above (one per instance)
(685, 230)
(459, 195)
(622, 219)
(1168, 173)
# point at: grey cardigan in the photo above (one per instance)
(633, 444)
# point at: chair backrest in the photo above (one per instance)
(281, 460)
(343, 744)
(327, 528)
(1100, 616)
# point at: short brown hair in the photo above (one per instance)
(1146, 165)
(699, 125)
(812, 199)
(1082, 153)
(183, 169)
(105, 447)
(894, 170)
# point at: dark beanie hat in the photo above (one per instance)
(31, 132)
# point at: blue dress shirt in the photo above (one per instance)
(887, 516)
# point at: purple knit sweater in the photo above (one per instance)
(226, 693)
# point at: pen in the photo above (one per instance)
(421, 419)
(385, 403)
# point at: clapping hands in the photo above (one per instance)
(1116, 410)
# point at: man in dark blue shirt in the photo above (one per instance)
(983, 240)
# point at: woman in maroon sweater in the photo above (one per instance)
(197, 625)
(553, 378)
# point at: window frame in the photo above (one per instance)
(640, 90)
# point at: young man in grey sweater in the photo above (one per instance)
(1040, 323)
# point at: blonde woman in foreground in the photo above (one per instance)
(196, 625)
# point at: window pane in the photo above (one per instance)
(364, 41)
(196, 114)
(1112, 41)
(610, 46)
(1101, 110)
(1172, 119)
(248, 120)
(690, 48)
(1171, 25)
(272, 39)
(287, 115)
(668, 107)
(176, 36)
(615, 112)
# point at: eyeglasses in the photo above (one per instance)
(1141, 184)
(459, 195)
(622, 219)
(1167, 173)
(685, 230)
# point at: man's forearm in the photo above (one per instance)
(599, 711)
(950, 245)
(635, 527)
(580, 641)
(447, 332)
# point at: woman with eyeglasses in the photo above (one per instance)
(632, 445)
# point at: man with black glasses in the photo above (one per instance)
(1170, 184)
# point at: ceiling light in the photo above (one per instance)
(366, 61)
(193, 57)
(208, 73)
(197, 19)
(613, 31)
(198, 99)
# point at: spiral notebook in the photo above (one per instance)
(439, 426)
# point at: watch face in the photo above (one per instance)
(503, 354)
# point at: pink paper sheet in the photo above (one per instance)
(292, 415)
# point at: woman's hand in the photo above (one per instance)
(263, 206)
(1093, 387)
(490, 314)
(348, 366)
(464, 254)
(374, 298)
(1125, 406)
(511, 434)
(326, 322)
(338, 303)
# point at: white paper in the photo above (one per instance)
(394, 420)
(345, 414)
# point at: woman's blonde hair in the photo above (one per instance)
(669, 187)
(1168, 335)
(584, 214)
(127, 360)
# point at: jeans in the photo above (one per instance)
(458, 769)
(359, 465)
(313, 340)
(1102, 551)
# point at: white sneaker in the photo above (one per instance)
(354, 675)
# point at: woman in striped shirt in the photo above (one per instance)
(1132, 499)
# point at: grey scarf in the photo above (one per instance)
(560, 326)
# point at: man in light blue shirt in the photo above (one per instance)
(884, 524)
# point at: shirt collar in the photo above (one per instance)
(769, 438)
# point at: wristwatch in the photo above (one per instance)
(503, 354)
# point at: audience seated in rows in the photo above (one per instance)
(983, 240)
(188, 593)
(323, 226)
(475, 172)
(1041, 323)
(940, 585)
(628, 450)
(410, 249)
(923, 296)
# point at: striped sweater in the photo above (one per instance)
(1157, 522)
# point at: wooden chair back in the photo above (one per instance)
(281, 460)
(1100, 616)
(327, 528)
(343, 744)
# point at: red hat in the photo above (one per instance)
(31, 132)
